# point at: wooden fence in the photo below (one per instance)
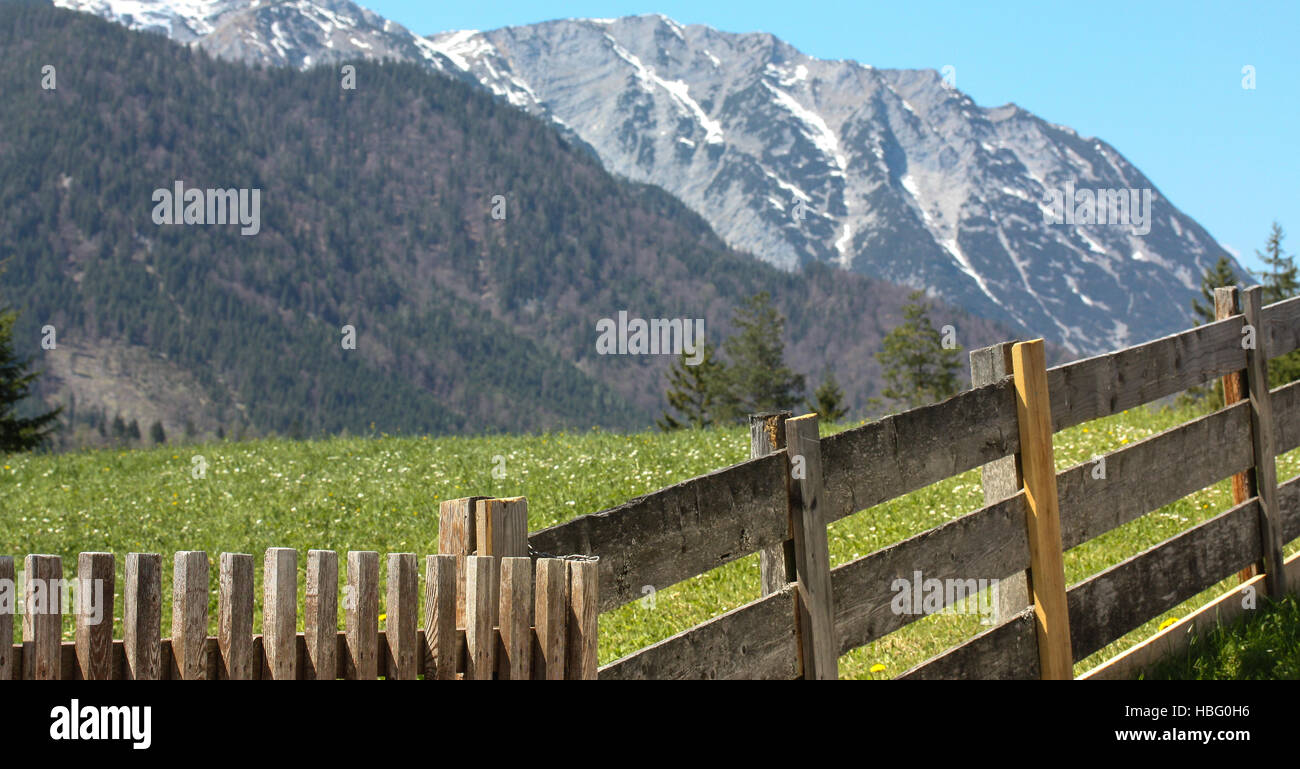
(780, 501)
(490, 612)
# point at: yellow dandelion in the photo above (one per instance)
(877, 668)
(1168, 622)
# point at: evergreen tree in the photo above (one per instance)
(1281, 277)
(157, 434)
(119, 429)
(1219, 275)
(758, 379)
(918, 369)
(827, 400)
(19, 433)
(1280, 280)
(694, 392)
(133, 431)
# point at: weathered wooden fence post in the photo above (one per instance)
(280, 613)
(1234, 390)
(1261, 434)
(43, 618)
(1042, 516)
(94, 641)
(7, 620)
(141, 617)
(320, 622)
(235, 617)
(190, 615)
(1001, 478)
(775, 562)
(818, 646)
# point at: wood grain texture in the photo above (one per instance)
(584, 598)
(1001, 478)
(1142, 477)
(142, 617)
(1006, 652)
(1281, 324)
(502, 527)
(756, 640)
(551, 617)
(8, 669)
(1233, 387)
(440, 575)
(1108, 384)
(42, 618)
(818, 647)
(679, 532)
(235, 618)
(1042, 513)
(280, 614)
(189, 615)
(320, 621)
(458, 535)
(402, 623)
(480, 617)
(1261, 430)
(989, 543)
(515, 656)
(97, 583)
(775, 562)
(904, 452)
(1286, 417)
(362, 616)
(1140, 588)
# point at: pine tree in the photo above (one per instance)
(827, 400)
(1280, 280)
(918, 369)
(1219, 275)
(133, 431)
(695, 392)
(757, 377)
(1281, 277)
(19, 433)
(157, 434)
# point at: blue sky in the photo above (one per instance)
(1160, 81)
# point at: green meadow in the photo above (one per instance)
(382, 493)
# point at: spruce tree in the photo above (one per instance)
(1281, 277)
(694, 392)
(827, 400)
(758, 378)
(918, 369)
(157, 434)
(1219, 275)
(1280, 280)
(19, 433)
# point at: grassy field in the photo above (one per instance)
(1263, 645)
(382, 493)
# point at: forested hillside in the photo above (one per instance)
(376, 212)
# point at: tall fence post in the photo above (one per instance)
(7, 622)
(1042, 515)
(43, 618)
(1001, 478)
(775, 562)
(1234, 390)
(818, 646)
(1261, 435)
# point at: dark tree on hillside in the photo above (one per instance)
(757, 376)
(828, 400)
(157, 434)
(19, 433)
(694, 392)
(1219, 275)
(918, 369)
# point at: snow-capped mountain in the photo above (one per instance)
(891, 173)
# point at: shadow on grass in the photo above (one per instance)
(1262, 645)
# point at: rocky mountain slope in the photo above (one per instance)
(888, 173)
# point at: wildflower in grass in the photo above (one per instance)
(1168, 622)
(877, 668)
